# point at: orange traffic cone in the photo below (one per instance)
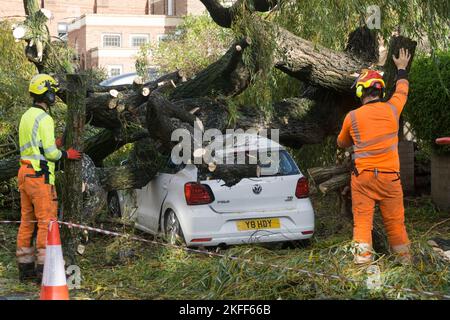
(54, 285)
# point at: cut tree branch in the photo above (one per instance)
(226, 77)
(224, 17)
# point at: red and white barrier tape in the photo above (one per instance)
(219, 255)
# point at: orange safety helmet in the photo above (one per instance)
(368, 79)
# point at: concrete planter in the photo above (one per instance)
(440, 181)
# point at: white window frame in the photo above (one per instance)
(66, 31)
(170, 7)
(133, 35)
(109, 67)
(111, 34)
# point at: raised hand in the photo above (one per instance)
(402, 61)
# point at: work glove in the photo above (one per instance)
(59, 142)
(72, 154)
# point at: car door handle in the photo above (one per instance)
(165, 186)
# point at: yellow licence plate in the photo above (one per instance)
(256, 224)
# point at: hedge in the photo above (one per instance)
(428, 108)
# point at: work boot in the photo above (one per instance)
(402, 254)
(26, 271)
(363, 254)
(39, 273)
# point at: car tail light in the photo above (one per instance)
(197, 193)
(307, 232)
(302, 189)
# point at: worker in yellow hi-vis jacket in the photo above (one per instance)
(36, 178)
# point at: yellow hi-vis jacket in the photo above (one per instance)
(37, 142)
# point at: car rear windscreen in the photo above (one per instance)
(284, 167)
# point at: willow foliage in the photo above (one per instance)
(329, 22)
(15, 74)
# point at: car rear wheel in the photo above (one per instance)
(172, 229)
(297, 244)
(114, 205)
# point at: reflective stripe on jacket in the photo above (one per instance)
(373, 131)
(37, 142)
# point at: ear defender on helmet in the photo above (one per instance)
(369, 79)
(49, 95)
(43, 88)
(359, 91)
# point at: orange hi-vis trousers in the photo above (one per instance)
(386, 189)
(38, 201)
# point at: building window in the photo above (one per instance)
(63, 28)
(112, 41)
(138, 40)
(114, 70)
(170, 7)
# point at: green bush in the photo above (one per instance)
(316, 155)
(196, 43)
(428, 109)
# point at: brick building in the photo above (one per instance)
(108, 33)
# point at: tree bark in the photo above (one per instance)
(320, 175)
(335, 183)
(302, 59)
(226, 77)
(116, 107)
(72, 200)
(224, 17)
(390, 76)
(315, 64)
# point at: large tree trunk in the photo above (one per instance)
(72, 198)
(228, 76)
(224, 17)
(316, 64)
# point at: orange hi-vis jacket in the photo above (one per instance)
(373, 131)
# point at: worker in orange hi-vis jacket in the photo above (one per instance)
(372, 130)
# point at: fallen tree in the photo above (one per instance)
(147, 113)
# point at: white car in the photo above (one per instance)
(273, 208)
(128, 78)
